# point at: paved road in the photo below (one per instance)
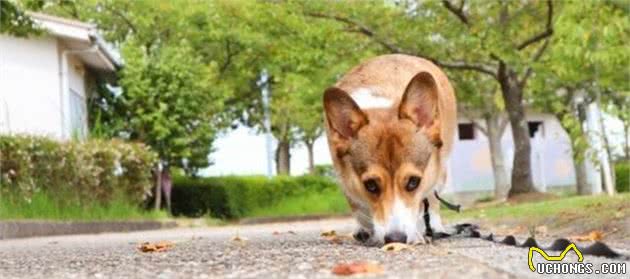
(209, 253)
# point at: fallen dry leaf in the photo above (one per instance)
(239, 239)
(345, 269)
(395, 247)
(335, 238)
(592, 236)
(161, 246)
(291, 232)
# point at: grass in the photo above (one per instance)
(311, 203)
(589, 206)
(44, 207)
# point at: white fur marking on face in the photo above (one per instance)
(379, 232)
(366, 99)
(403, 220)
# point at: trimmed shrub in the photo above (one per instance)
(237, 196)
(622, 177)
(90, 170)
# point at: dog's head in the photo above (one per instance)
(387, 157)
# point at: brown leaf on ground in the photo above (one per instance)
(346, 269)
(239, 239)
(592, 236)
(395, 247)
(291, 232)
(328, 233)
(147, 247)
(276, 233)
(335, 238)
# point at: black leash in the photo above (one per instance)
(454, 207)
(596, 249)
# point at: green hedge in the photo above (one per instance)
(622, 176)
(236, 196)
(89, 170)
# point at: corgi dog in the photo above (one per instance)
(390, 125)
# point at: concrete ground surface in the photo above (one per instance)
(283, 250)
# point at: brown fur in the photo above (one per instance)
(412, 138)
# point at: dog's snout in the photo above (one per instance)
(395, 236)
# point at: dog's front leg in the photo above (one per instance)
(435, 221)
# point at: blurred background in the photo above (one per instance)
(131, 110)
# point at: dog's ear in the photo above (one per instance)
(343, 115)
(420, 105)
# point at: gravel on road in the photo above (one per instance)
(283, 250)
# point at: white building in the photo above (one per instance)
(45, 80)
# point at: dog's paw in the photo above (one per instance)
(362, 235)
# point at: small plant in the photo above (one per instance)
(90, 170)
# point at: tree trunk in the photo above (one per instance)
(581, 178)
(608, 150)
(167, 187)
(501, 181)
(583, 186)
(513, 97)
(283, 158)
(158, 187)
(311, 160)
(626, 127)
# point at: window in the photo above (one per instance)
(535, 127)
(466, 131)
(78, 116)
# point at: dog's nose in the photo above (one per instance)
(395, 236)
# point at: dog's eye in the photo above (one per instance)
(413, 183)
(371, 186)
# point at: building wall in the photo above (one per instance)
(31, 97)
(29, 86)
(552, 165)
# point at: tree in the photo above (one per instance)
(481, 104)
(166, 97)
(301, 59)
(587, 63)
(501, 40)
(14, 20)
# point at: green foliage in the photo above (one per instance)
(622, 176)
(169, 94)
(301, 58)
(236, 197)
(587, 57)
(83, 171)
(325, 171)
(14, 20)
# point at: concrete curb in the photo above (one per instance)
(287, 219)
(21, 229)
